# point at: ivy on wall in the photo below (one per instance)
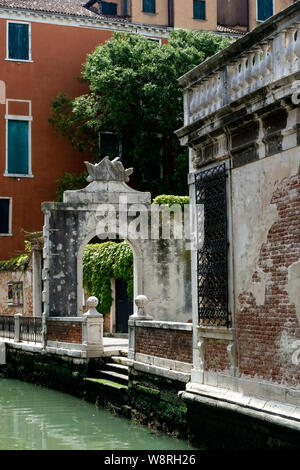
(20, 263)
(105, 261)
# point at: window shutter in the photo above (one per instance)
(4, 216)
(109, 8)
(18, 155)
(149, 6)
(125, 8)
(199, 10)
(264, 9)
(18, 41)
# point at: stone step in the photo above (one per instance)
(123, 352)
(120, 360)
(114, 376)
(120, 368)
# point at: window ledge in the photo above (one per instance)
(148, 13)
(200, 19)
(216, 332)
(6, 234)
(10, 175)
(19, 60)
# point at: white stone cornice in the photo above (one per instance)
(85, 22)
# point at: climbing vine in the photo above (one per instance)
(20, 263)
(102, 262)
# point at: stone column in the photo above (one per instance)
(17, 327)
(92, 329)
(37, 282)
(140, 301)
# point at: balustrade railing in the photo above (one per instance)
(31, 329)
(259, 64)
(7, 326)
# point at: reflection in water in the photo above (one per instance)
(38, 418)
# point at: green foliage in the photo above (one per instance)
(70, 181)
(170, 200)
(102, 262)
(134, 93)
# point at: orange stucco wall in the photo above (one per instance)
(57, 53)
(160, 17)
(183, 15)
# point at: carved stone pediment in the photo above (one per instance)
(108, 170)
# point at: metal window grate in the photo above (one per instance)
(212, 261)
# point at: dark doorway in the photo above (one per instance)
(124, 306)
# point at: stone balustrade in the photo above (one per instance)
(255, 61)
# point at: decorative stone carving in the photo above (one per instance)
(92, 303)
(108, 170)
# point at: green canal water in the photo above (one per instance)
(36, 418)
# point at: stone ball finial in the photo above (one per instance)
(141, 301)
(92, 303)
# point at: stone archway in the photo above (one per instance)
(161, 266)
(70, 225)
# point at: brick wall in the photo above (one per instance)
(266, 333)
(168, 344)
(216, 356)
(64, 331)
(16, 276)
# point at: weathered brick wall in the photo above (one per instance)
(64, 331)
(168, 344)
(16, 276)
(267, 333)
(216, 356)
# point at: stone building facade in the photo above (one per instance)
(242, 126)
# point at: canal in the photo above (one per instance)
(36, 418)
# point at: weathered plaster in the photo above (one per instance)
(252, 189)
(293, 286)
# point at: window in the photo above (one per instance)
(199, 10)
(149, 6)
(17, 150)
(212, 262)
(109, 145)
(18, 138)
(265, 9)
(5, 216)
(15, 294)
(18, 41)
(109, 8)
(125, 8)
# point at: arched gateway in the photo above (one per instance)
(105, 208)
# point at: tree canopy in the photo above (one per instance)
(134, 94)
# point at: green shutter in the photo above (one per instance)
(18, 41)
(199, 10)
(149, 6)
(109, 8)
(264, 9)
(18, 149)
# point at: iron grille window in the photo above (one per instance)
(212, 262)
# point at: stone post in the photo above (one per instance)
(140, 301)
(44, 331)
(92, 329)
(37, 282)
(17, 327)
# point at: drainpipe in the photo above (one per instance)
(171, 13)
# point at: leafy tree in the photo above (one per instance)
(134, 93)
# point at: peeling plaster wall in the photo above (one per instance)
(266, 246)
